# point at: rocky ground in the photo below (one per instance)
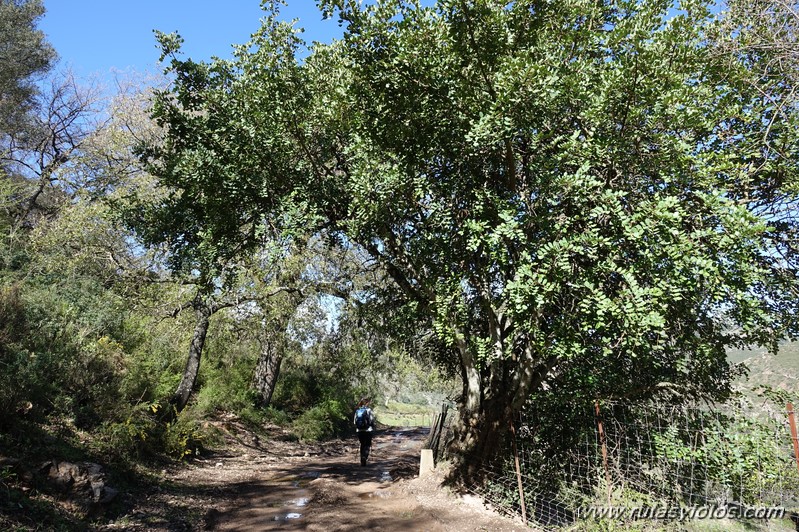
(284, 485)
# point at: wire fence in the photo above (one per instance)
(439, 430)
(616, 456)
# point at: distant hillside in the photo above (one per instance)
(780, 371)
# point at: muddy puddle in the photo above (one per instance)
(293, 509)
(291, 497)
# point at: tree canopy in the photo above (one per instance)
(24, 55)
(579, 197)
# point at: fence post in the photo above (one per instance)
(603, 442)
(518, 472)
(792, 422)
(439, 429)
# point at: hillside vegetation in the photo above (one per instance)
(779, 371)
(521, 209)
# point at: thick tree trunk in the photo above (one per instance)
(491, 399)
(267, 370)
(479, 438)
(181, 396)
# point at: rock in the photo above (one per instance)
(82, 483)
(64, 475)
(108, 494)
(98, 488)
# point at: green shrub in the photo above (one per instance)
(275, 416)
(297, 389)
(137, 435)
(224, 388)
(183, 437)
(141, 434)
(157, 357)
(30, 373)
(321, 422)
(58, 352)
(12, 317)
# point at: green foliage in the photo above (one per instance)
(141, 435)
(407, 379)
(26, 56)
(225, 377)
(205, 234)
(15, 361)
(297, 390)
(130, 438)
(339, 368)
(156, 355)
(324, 421)
(225, 384)
(59, 357)
(580, 199)
(183, 437)
(273, 415)
(301, 387)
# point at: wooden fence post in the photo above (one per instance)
(439, 431)
(518, 473)
(792, 421)
(602, 441)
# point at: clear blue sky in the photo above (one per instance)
(96, 37)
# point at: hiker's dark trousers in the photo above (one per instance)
(366, 444)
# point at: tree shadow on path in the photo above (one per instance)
(328, 489)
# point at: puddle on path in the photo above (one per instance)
(288, 516)
(379, 494)
(300, 503)
(287, 498)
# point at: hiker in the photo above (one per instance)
(364, 425)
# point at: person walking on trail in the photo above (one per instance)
(364, 425)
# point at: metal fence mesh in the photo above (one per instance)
(615, 454)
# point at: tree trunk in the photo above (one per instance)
(479, 439)
(181, 396)
(491, 399)
(267, 370)
(274, 343)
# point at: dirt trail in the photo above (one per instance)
(279, 485)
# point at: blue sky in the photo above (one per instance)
(98, 37)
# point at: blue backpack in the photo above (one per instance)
(362, 419)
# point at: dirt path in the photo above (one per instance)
(280, 485)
